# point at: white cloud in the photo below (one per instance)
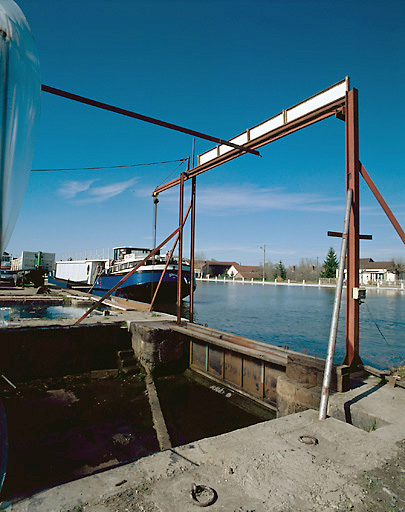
(230, 200)
(70, 189)
(83, 192)
(108, 191)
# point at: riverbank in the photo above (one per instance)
(319, 284)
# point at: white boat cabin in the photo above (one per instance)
(126, 254)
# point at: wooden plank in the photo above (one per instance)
(198, 355)
(233, 367)
(252, 373)
(215, 364)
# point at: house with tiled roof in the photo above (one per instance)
(374, 271)
(245, 272)
(212, 268)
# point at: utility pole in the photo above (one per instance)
(264, 260)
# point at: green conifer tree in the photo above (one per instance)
(280, 272)
(330, 264)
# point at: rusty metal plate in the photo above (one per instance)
(252, 377)
(270, 382)
(233, 368)
(215, 361)
(198, 354)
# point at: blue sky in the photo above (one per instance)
(217, 67)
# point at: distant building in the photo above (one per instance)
(245, 272)
(212, 268)
(373, 271)
(6, 260)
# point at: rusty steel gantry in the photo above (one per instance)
(339, 101)
(327, 103)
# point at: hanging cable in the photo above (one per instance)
(167, 177)
(393, 353)
(182, 160)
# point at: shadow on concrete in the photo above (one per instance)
(356, 399)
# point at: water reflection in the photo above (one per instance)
(300, 318)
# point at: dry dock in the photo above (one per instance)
(354, 460)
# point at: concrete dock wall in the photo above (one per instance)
(277, 378)
(158, 348)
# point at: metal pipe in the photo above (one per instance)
(192, 247)
(180, 261)
(383, 204)
(336, 307)
(141, 117)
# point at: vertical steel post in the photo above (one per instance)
(336, 308)
(352, 357)
(180, 262)
(192, 247)
(155, 202)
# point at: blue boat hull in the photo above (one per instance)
(141, 285)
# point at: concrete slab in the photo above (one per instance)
(374, 407)
(261, 468)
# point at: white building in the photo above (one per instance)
(371, 272)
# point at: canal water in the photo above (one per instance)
(300, 318)
(15, 313)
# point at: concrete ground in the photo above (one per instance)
(260, 468)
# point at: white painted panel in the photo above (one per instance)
(318, 101)
(224, 149)
(209, 155)
(239, 139)
(267, 126)
(325, 97)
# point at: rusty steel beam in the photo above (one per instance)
(382, 203)
(112, 290)
(168, 261)
(180, 262)
(352, 357)
(141, 117)
(192, 248)
(278, 133)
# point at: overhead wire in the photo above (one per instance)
(181, 160)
